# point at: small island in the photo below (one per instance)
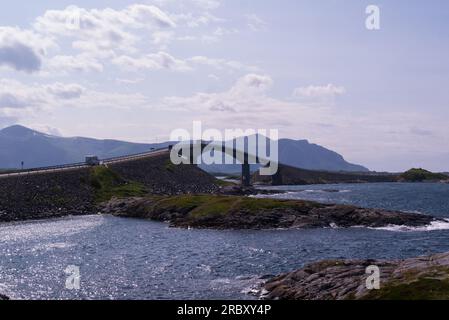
(237, 212)
(422, 175)
(422, 278)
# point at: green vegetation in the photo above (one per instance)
(169, 166)
(108, 184)
(224, 183)
(423, 288)
(420, 175)
(211, 205)
(433, 284)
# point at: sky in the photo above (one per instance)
(137, 70)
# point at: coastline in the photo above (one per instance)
(421, 278)
(4, 297)
(242, 213)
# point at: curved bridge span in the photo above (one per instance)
(245, 159)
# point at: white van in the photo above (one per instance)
(92, 161)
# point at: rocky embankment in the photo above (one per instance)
(234, 212)
(295, 176)
(411, 279)
(78, 191)
(160, 176)
(3, 297)
(46, 195)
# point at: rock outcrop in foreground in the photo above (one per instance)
(411, 279)
(234, 212)
(3, 297)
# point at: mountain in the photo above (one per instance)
(300, 154)
(305, 155)
(36, 149)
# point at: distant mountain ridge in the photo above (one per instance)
(37, 149)
(305, 155)
(299, 154)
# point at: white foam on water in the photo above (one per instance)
(47, 229)
(433, 226)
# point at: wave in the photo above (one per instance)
(433, 226)
(325, 191)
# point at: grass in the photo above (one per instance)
(169, 166)
(108, 184)
(224, 183)
(200, 206)
(421, 289)
(419, 175)
(433, 284)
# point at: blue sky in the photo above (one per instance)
(138, 70)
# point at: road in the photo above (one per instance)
(77, 166)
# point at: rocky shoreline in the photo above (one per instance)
(411, 279)
(236, 212)
(3, 297)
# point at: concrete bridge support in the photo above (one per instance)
(276, 179)
(246, 175)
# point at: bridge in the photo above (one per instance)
(197, 148)
(245, 158)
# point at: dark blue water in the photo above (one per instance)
(430, 198)
(134, 259)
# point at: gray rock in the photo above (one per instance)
(3, 297)
(297, 214)
(422, 278)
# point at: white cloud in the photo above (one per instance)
(254, 82)
(155, 61)
(163, 60)
(221, 64)
(66, 91)
(23, 50)
(100, 37)
(101, 34)
(46, 129)
(248, 94)
(124, 101)
(17, 98)
(207, 4)
(78, 63)
(255, 22)
(15, 95)
(220, 32)
(147, 15)
(102, 23)
(329, 90)
(162, 38)
(193, 20)
(130, 81)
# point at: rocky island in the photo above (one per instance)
(237, 212)
(422, 175)
(423, 278)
